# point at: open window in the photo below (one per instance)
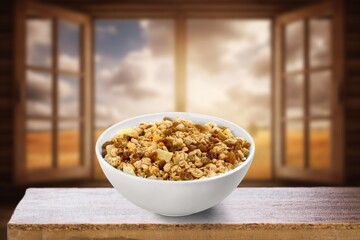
(53, 86)
(308, 116)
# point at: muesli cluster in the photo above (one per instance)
(175, 149)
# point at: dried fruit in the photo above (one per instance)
(185, 176)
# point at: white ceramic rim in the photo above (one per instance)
(162, 114)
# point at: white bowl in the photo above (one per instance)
(174, 198)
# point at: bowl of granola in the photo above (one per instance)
(175, 163)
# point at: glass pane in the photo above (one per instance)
(68, 144)
(294, 146)
(320, 93)
(320, 41)
(69, 46)
(38, 42)
(39, 93)
(294, 46)
(320, 145)
(294, 96)
(38, 144)
(68, 96)
(228, 75)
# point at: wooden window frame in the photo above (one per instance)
(335, 175)
(84, 75)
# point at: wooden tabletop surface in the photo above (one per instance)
(280, 211)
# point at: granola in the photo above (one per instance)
(175, 150)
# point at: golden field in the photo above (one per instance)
(39, 151)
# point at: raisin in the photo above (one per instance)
(138, 155)
(170, 146)
(103, 153)
(162, 164)
(203, 147)
(191, 147)
(118, 145)
(106, 143)
(163, 140)
(231, 158)
(133, 160)
(213, 139)
(153, 157)
(174, 124)
(126, 155)
(185, 176)
(168, 131)
(212, 155)
(205, 160)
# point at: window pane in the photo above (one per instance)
(228, 75)
(68, 96)
(294, 96)
(39, 92)
(294, 148)
(320, 87)
(320, 41)
(294, 46)
(38, 144)
(68, 144)
(38, 42)
(320, 144)
(134, 73)
(69, 46)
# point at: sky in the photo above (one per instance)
(228, 69)
(39, 84)
(227, 66)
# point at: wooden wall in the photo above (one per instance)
(6, 96)
(352, 90)
(260, 7)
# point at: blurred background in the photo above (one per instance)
(287, 71)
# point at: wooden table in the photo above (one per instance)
(248, 213)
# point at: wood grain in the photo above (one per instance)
(76, 213)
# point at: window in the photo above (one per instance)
(52, 105)
(306, 85)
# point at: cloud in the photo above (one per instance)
(38, 32)
(70, 63)
(159, 36)
(217, 44)
(39, 95)
(260, 65)
(294, 46)
(38, 42)
(135, 76)
(108, 29)
(225, 61)
(39, 86)
(320, 45)
(39, 108)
